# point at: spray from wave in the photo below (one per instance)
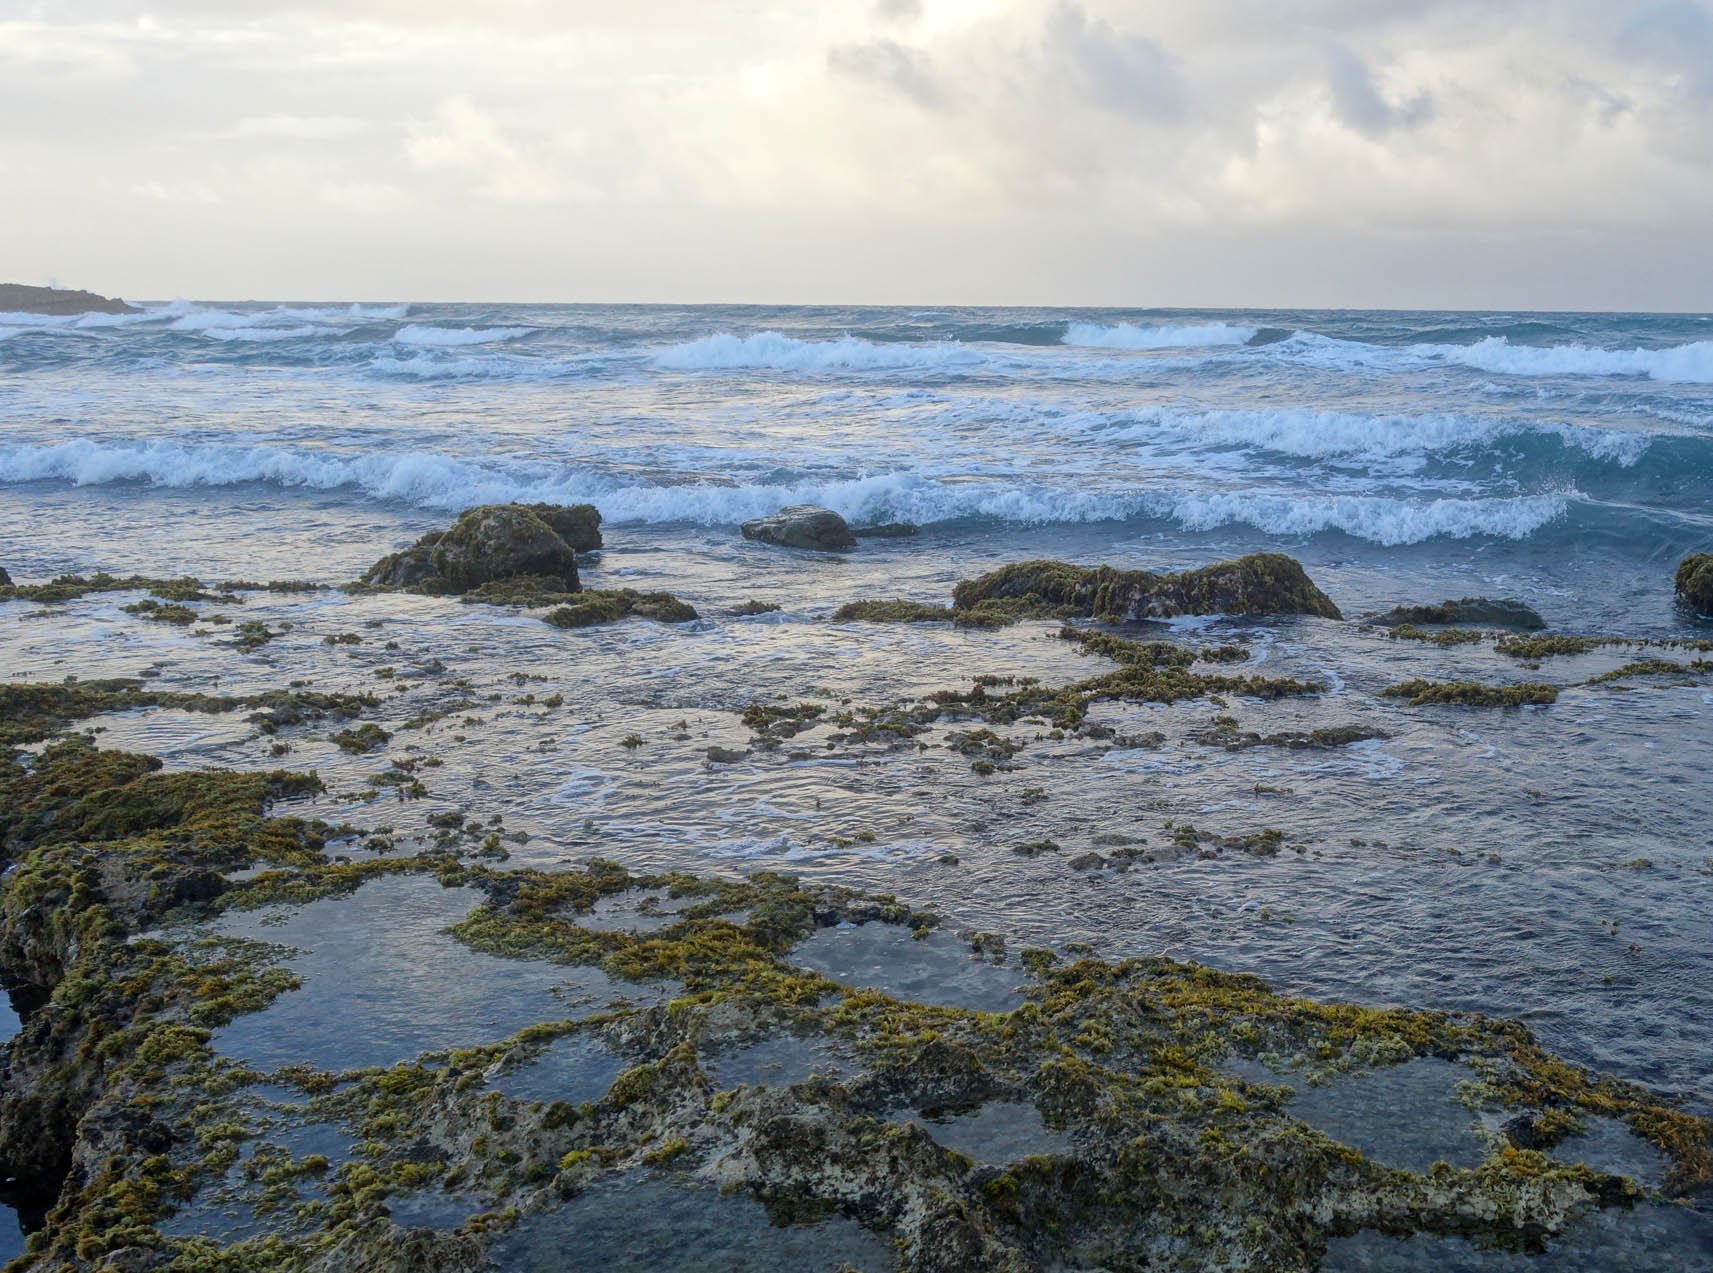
(1131, 336)
(452, 337)
(773, 351)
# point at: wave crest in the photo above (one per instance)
(1132, 336)
(774, 351)
(433, 480)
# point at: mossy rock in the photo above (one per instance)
(1471, 693)
(1694, 583)
(579, 525)
(588, 609)
(500, 541)
(1492, 612)
(492, 543)
(1257, 584)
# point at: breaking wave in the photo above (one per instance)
(433, 480)
(773, 351)
(1131, 336)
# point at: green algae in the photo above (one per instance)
(1652, 667)
(1227, 733)
(163, 612)
(362, 738)
(1499, 613)
(1693, 582)
(1440, 636)
(31, 712)
(878, 611)
(589, 608)
(1422, 693)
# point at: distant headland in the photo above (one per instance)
(16, 298)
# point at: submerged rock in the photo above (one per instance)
(1260, 583)
(1493, 612)
(493, 542)
(889, 530)
(1694, 583)
(802, 526)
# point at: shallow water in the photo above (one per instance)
(999, 1132)
(1647, 1239)
(1401, 1115)
(382, 982)
(574, 1069)
(1549, 864)
(778, 1062)
(937, 969)
(643, 1223)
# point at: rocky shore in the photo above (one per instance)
(823, 1076)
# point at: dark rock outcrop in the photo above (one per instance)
(1694, 583)
(1260, 583)
(577, 524)
(890, 530)
(16, 298)
(5, 579)
(1478, 611)
(489, 543)
(802, 526)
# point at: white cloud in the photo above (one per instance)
(1369, 151)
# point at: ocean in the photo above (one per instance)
(1548, 863)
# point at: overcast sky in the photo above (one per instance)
(1404, 153)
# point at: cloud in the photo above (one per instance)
(1130, 74)
(892, 65)
(1357, 102)
(1030, 149)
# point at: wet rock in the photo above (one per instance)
(498, 541)
(889, 530)
(579, 525)
(487, 544)
(1487, 611)
(5, 579)
(1694, 583)
(802, 526)
(1260, 583)
(727, 755)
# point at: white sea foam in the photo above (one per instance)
(1166, 336)
(1690, 364)
(433, 480)
(772, 351)
(440, 337)
(1309, 434)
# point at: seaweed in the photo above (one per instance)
(1471, 693)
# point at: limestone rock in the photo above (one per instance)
(802, 526)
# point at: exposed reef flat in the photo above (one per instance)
(350, 944)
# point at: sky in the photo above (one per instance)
(1504, 154)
